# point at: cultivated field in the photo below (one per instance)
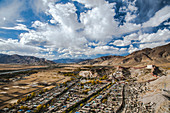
(17, 67)
(44, 79)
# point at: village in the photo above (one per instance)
(108, 100)
(89, 91)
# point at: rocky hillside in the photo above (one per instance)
(103, 60)
(156, 55)
(26, 60)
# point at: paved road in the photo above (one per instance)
(121, 108)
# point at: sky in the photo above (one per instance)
(55, 29)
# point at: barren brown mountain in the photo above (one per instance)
(157, 55)
(26, 60)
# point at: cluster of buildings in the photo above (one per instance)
(39, 100)
(132, 103)
(85, 96)
(73, 96)
(107, 101)
(87, 74)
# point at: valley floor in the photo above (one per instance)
(98, 89)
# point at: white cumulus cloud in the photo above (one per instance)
(18, 27)
(158, 18)
(10, 11)
(91, 3)
(63, 35)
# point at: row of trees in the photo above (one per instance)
(93, 82)
(85, 100)
(30, 96)
(26, 98)
(104, 77)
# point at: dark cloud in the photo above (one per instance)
(148, 8)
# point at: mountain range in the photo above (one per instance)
(157, 55)
(26, 60)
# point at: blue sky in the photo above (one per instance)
(55, 29)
